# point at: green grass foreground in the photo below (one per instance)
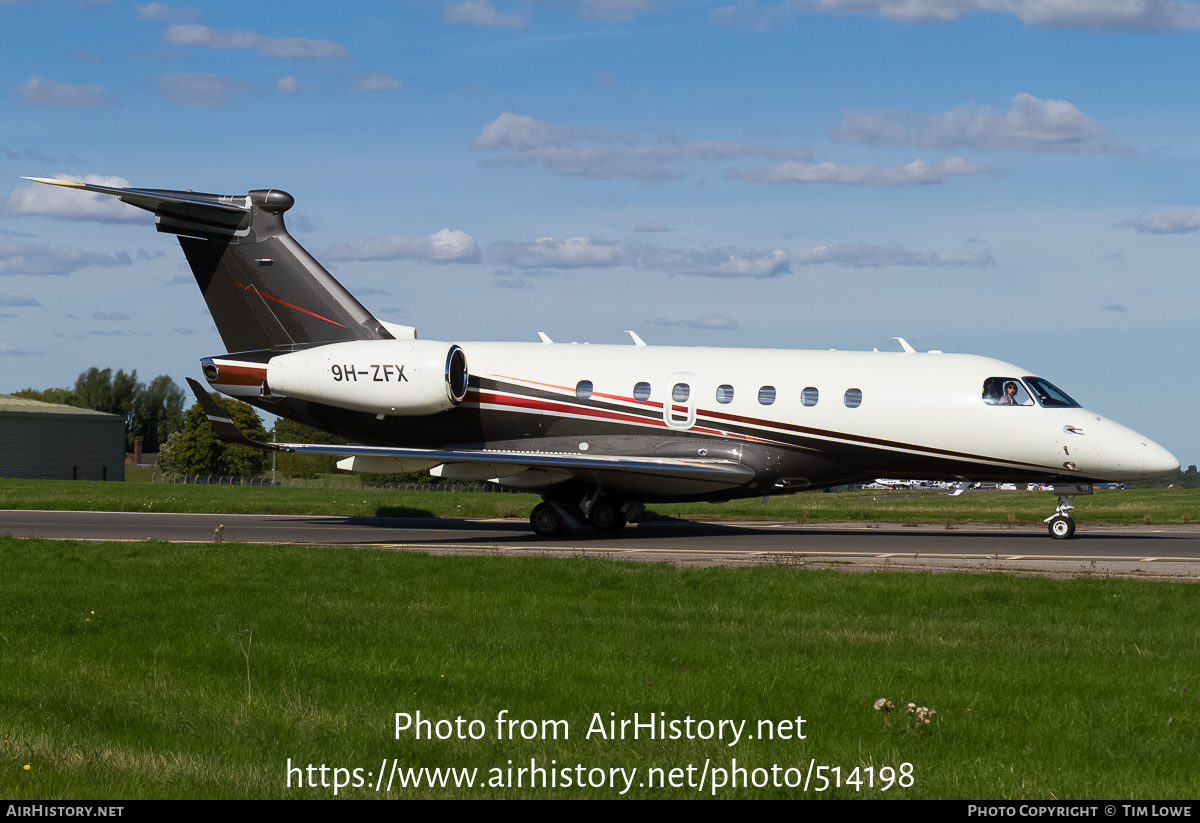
(1143, 506)
(167, 671)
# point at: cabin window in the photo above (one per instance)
(681, 392)
(583, 389)
(1049, 394)
(809, 396)
(766, 395)
(725, 394)
(1005, 391)
(853, 398)
(641, 391)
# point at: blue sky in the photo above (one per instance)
(1007, 178)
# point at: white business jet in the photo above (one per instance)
(598, 431)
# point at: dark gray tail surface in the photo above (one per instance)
(264, 291)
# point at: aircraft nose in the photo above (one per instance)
(1159, 461)
(1124, 454)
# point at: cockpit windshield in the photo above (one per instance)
(1049, 394)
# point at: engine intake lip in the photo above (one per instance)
(456, 374)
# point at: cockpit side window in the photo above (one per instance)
(1005, 391)
(1049, 394)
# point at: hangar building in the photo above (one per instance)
(53, 442)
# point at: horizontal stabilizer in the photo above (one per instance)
(178, 212)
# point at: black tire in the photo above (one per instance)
(546, 522)
(1062, 527)
(605, 517)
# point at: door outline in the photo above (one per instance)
(680, 415)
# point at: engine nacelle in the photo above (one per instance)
(400, 377)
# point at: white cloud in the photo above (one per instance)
(210, 91)
(110, 315)
(725, 262)
(916, 173)
(280, 47)
(158, 11)
(64, 203)
(446, 246)
(50, 93)
(590, 252)
(1085, 15)
(651, 227)
(712, 322)
(613, 10)
(600, 153)
(1171, 221)
(722, 262)
(860, 255)
(9, 350)
(1111, 15)
(508, 279)
(38, 261)
(481, 13)
(287, 86)
(915, 11)
(548, 253)
(18, 300)
(375, 81)
(1030, 124)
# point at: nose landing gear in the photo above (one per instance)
(1062, 527)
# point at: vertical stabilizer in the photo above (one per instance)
(264, 291)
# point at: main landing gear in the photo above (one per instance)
(547, 520)
(552, 519)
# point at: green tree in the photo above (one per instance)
(200, 451)
(166, 454)
(157, 413)
(101, 390)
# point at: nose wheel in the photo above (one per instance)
(1061, 527)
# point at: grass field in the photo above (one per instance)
(1153, 506)
(162, 671)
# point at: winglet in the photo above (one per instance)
(225, 428)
